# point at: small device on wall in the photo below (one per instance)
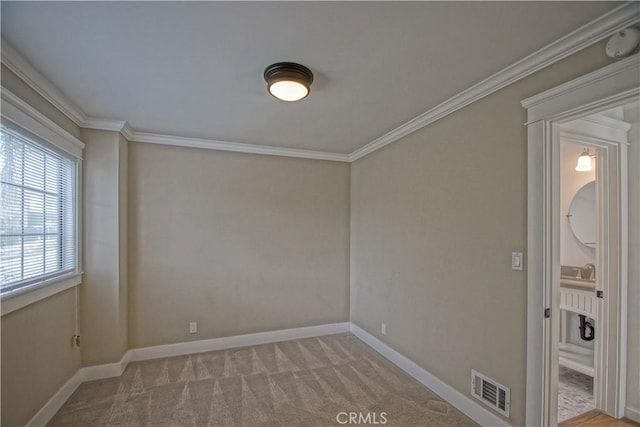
(517, 259)
(623, 43)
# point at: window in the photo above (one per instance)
(38, 215)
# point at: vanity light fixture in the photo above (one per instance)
(288, 81)
(584, 161)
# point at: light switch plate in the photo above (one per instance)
(517, 260)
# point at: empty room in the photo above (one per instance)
(318, 213)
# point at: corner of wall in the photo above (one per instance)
(104, 290)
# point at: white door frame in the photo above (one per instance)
(608, 137)
(613, 85)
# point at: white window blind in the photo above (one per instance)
(38, 215)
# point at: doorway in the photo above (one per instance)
(551, 118)
(588, 246)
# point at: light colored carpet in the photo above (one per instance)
(306, 382)
(575, 394)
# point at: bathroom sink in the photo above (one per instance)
(577, 282)
(579, 279)
(583, 277)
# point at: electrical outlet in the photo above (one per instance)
(193, 327)
(383, 329)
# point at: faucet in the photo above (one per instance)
(588, 272)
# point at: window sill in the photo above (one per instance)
(20, 298)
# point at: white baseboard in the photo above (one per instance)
(632, 414)
(448, 393)
(109, 370)
(463, 403)
(213, 344)
(116, 369)
(44, 415)
(88, 373)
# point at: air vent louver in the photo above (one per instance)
(491, 393)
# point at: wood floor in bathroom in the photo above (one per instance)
(596, 418)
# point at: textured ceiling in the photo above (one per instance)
(195, 69)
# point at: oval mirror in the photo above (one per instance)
(582, 214)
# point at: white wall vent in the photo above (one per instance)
(491, 393)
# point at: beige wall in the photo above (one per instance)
(422, 211)
(239, 243)
(104, 290)
(434, 219)
(37, 355)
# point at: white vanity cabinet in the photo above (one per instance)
(578, 296)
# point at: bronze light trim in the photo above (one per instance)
(288, 81)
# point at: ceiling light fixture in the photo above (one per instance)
(584, 161)
(288, 81)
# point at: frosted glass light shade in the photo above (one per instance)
(288, 90)
(584, 163)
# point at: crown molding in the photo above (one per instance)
(153, 138)
(596, 30)
(19, 65)
(210, 144)
(104, 124)
(128, 131)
